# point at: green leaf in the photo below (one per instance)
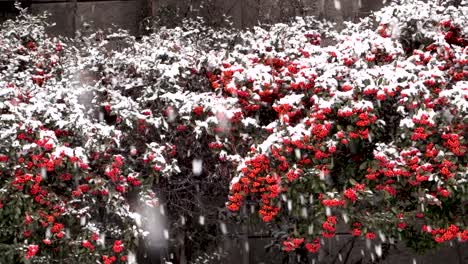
(363, 166)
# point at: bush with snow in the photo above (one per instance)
(369, 132)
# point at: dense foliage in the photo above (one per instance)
(367, 134)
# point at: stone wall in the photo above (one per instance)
(248, 247)
(247, 13)
(71, 15)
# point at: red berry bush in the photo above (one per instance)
(366, 135)
(370, 131)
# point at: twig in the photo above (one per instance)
(349, 252)
(343, 247)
